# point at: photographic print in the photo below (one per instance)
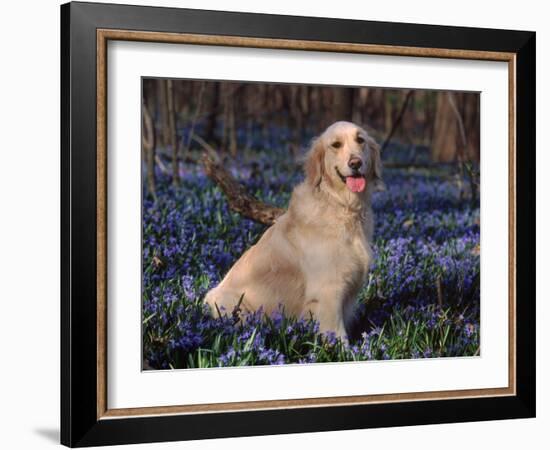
(294, 224)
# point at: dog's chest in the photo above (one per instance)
(355, 245)
(338, 253)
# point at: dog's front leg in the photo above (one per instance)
(327, 308)
(328, 322)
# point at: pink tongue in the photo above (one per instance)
(355, 184)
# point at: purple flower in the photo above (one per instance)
(425, 269)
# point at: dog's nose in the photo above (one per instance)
(355, 163)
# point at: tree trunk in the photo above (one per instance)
(172, 130)
(211, 121)
(343, 103)
(148, 140)
(360, 106)
(232, 132)
(429, 116)
(388, 111)
(407, 95)
(163, 109)
(225, 119)
(376, 109)
(471, 123)
(292, 105)
(198, 109)
(444, 142)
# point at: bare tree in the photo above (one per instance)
(173, 132)
(148, 140)
(359, 107)
(212, 119)
(445, 131)
(163, 108)
(231, 126)
(464, 152)
(343, 103)
(456, 122)
(398, 119)
(198, 111)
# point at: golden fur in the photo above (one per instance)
(316, 256)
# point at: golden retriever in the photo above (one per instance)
(316, 256)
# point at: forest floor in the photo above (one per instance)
(421, 299)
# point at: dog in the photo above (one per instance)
(315, 258)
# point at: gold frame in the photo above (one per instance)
(103, 36)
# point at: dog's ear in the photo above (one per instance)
(315, 164)
(376, 164)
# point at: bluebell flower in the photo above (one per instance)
(192, 228)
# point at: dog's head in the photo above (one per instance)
(345, 159)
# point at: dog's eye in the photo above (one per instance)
(337, 144)
(360, 140)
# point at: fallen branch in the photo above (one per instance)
(238, 198)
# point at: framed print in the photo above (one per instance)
(277, 224)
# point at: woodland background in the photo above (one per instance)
(226, 115)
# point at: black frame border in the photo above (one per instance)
(79, 423)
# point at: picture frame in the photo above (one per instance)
(86, 418)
